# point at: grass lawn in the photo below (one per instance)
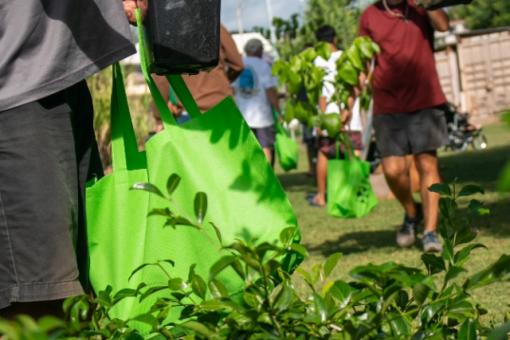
(372, 239)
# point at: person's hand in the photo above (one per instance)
(131, 5)
(175, 109)
(346, 116)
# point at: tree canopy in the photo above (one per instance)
(484, 13)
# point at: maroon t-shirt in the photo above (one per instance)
(405, 77)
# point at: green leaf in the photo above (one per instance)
(504, 179)
(441, 188)
(500, 333)
(342, 292)
(331, 123)
(434, 264)
(400, 325)
(470, 190)
(151, 291)
(251, 300)
(220, 265)
(284, 297)
(347, 73)
(199, 286)
(165, 212)
(320, 307)
(124, 293)
(49, 324)
(301, 250)
(420, 293)
(172, 183)
(288, 235)
(478, 209)
(176, 284)
(218, 290)
(217, 231)
(331, 263)
(453, 272)
(200, 206)
(500, 270)
(148, 319)
(148, 188)
(467, 330)
(355, 58)
(464, 253)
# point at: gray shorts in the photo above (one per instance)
(45, 157)
(412, 133)
(265, 136)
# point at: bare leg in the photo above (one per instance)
(396, 171)
(322, 173)
(269, 155)
(428, 169)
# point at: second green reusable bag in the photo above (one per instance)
(287, 149)
(217, 154)
(349, 190)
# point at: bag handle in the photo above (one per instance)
(346, 141)
(166, 116)
(125, 154)
(176, 82)
(279, 126)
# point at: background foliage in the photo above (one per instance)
(483, 14)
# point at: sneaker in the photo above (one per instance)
(406, 234)
(431, 243)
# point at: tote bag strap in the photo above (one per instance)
(184, 95)
(125, 154)
(166, 116)
(345, 140)
(278, 125)
(176, 82)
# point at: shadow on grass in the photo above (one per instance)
(480, 167)
(497, 224)
(355, 242)
(296, 181)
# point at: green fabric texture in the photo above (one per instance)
(350, 193)
(287, 150)
(215, 153)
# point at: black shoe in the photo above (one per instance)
(406, 235)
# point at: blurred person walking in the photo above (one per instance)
(257, 96)
(326, 144)
(408, 119)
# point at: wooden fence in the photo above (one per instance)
(475, 72)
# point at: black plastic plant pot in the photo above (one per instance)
(435, 4)
(183, 35)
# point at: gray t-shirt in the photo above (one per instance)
(49, 45)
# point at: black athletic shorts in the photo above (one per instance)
(46, 151)
(412, 133)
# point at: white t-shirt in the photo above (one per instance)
(328, 90)
(251, 95)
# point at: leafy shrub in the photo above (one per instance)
(305, 81)
(387, 301)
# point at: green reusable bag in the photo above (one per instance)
(215, 153)
(349, 190)
(116, 216)
(287, 149)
